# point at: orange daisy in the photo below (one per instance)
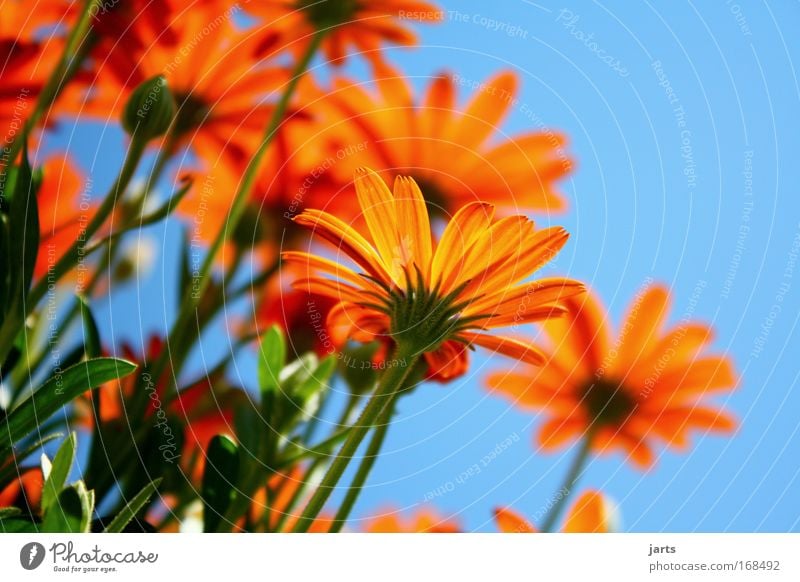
(437, 298)
(214, 72)
(350, 25)
(648, 385)
(591, 513)
(450, 150)
(426, 520)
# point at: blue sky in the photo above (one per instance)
(683, 120)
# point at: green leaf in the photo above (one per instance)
(56, 392)
(24, 225)
(272, 356)
(6, 512)
(219, 480)
(72, 511)
(62, 463)
(91, 335)
(13, 525)
(21, 246)
(133, 507)
(317, 380)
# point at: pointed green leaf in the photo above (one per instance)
(62, 463)
(133, 507)
(272, 355)
(91, 335)
(56, 392)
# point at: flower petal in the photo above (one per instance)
(591, 513)
(466, 226)
(377, 205)
(519, 350)
(413, 223)
(509, 521)
(345, 238)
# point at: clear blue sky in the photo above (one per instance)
(643, 204)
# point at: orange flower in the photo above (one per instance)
(30, 47)
(439, 298)
(350, 24)
(301, 316)
(649, 385)
(23, 21)
(61, 218)
(214, 73)
(426, 520)
(591, 513)
(449, 150)
(283, 186)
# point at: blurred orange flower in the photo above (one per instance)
(24, 492)
(446, 296)
(62, 213)
(31, 42)
(283, 187)
(448, 149)
(350, 24)
(425, 520)
(591, 513)
(647, 385)
(215, 73)
(22, 20)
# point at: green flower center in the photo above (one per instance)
(607, 403)
(327, 13)
(421, 317)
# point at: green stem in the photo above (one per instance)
(315, 451)
(391, 383)
(373, 450)
(568, 485)
(75, 51)
(203, 279)
(300, 490)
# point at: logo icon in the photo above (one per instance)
(31, 555)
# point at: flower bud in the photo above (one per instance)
(150, 109)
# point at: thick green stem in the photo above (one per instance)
(393, 380)
(300, 490)
(373, 450)
(571, 479)
(202, 280)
